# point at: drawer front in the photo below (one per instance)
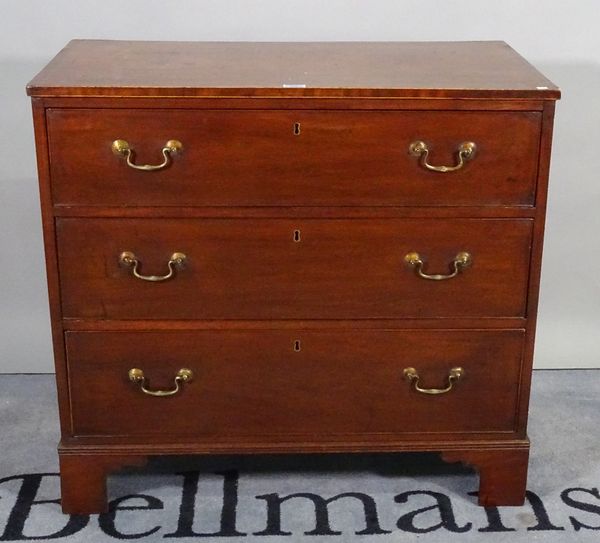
(263, 158)
(253, 383)
(292, 269)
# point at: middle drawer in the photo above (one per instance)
(293, 268)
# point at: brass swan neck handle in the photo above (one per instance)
(138, 377)
(461, 261)
(413, 376)
(122, 149)
(177, 261)
(465, 152)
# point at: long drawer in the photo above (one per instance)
(286, 382)
(293, 269)
(292, 158)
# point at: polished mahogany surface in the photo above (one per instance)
(337, 69)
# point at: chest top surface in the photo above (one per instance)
(488, 70)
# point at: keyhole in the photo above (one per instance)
(297, 237)
(297, 346)
(296, 129)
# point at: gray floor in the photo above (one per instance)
(564, 474)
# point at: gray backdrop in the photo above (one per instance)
(561, 38)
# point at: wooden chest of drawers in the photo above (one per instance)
(292, 248)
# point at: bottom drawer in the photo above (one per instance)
(286, 382)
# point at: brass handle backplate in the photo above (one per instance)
(137, 376)
(413, 376)
(177, 260)
(465, 152)
(461, 261)
(122, 149)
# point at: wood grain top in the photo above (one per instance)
(328, 69)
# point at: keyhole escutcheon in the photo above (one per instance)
(297, 346)
(296, 129)
(297, 236)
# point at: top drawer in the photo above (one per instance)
(292, 158)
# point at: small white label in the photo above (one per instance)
(294, 86)
(542, 88)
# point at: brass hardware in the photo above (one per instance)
(466, 151)
(297, 346)
(177, 260)
(461, 261)
(296, 129)
(121, 148)
(412, 375)
(297, 236)
(183, 376)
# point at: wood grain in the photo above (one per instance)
(337, 324)
(397, 69)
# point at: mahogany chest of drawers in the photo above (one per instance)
(317, 247)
